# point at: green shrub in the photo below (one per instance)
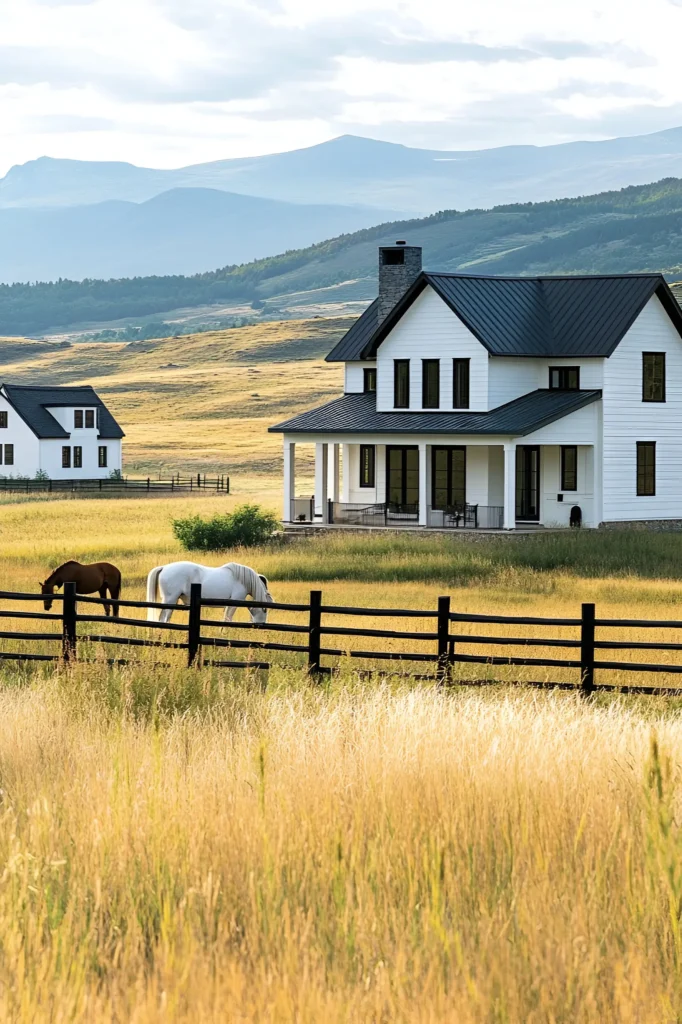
(247, 526)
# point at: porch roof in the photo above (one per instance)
(357, 414)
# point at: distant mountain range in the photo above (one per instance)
(183, 231)
(351, 171)
(635, 229)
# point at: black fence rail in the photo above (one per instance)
(312, 638)
(126, 485)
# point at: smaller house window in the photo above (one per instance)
(66, 457)
(9, 454)
(461, 372)
(367, 465)
(569, 468)
(401, 383)
(102, 456)
(564, 378)
(77, 419)
(77, 457)
(646, 468)
(3, 418)
(653, 376)
(430, 383)
(89, 417)
(369, 379)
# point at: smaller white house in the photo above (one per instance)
(65, 432)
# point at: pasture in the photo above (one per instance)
(181, 846)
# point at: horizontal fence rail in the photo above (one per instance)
(113, 486)
(195, 635)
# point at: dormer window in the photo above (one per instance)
(564, 378)
(78, 419)
(89, 417)
(3, 417)
(369, 379)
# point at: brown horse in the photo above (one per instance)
(100, 576)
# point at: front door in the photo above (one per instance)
(402, 484)
(528, 483)
(448, 477)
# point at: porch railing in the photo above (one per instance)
(385, 513)
(466, 517)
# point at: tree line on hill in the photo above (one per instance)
(635, 229)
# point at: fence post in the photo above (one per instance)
(443, 670)
(148, 483)
(587, 650)
(228, 485)
(314, 637)
(194, 623)
(69, 622)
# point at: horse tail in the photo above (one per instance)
(153, 614)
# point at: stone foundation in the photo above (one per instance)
(652, 525)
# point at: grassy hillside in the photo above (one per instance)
(635, 229)
(201, 402)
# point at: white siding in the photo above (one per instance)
(512, 376)
(51, 457)
(366, 494)
(430, 330)
(354, 377)
(477, 476)
(26, 447)
(627, 420)
(558, 513)
(580, 427)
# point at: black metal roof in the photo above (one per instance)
(31, 402)
(527, 316)
(357, 414)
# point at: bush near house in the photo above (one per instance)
(246, 527)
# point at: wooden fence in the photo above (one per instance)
(193, 636)
(126, 485)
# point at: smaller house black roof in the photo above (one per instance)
(553, 317)
(31, 403)
(357, 414)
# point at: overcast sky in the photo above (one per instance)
(171, 82)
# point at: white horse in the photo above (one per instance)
(169, 584)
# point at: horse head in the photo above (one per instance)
(47, 588)
(260, 615)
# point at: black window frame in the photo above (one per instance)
(3, 418)
(643, 469)
(77, 419)
(9, 454)
(66, 456)
(77, 456)
(367, 475)
(89, 419)
(102, 456)
(369, 380)
(400, 365)
(567, 486)
(645, 356)
(461, 383)
(430, 384)
(563, 372)
(449, 451)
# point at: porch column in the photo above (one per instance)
(289, 480)
(322, 481)
(424, 474)
(334, 451)
(345, 481)
(509, 521)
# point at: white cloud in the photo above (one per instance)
(168, 82)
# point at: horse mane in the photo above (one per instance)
(70, 561)
(249, 579)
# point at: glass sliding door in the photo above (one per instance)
(402, 477)
(528, 483)
(448, 477)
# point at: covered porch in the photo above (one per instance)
(476, 484)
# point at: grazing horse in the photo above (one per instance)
(100, 576)
(172, 583)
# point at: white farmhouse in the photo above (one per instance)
(66, 432)
(500, 402)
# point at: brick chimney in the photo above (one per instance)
(399, 267)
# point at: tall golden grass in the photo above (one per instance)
(355, 854)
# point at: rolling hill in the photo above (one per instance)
(635, 229)
(183, 231)
(352, 170)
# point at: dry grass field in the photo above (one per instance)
(183, 846)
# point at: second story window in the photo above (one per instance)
(89, 417)
(564, 378)
(77, 419)
(401, 383)
(369, 379)
(653, 376)
(460, 383)
(430, 383)
(3, 417)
